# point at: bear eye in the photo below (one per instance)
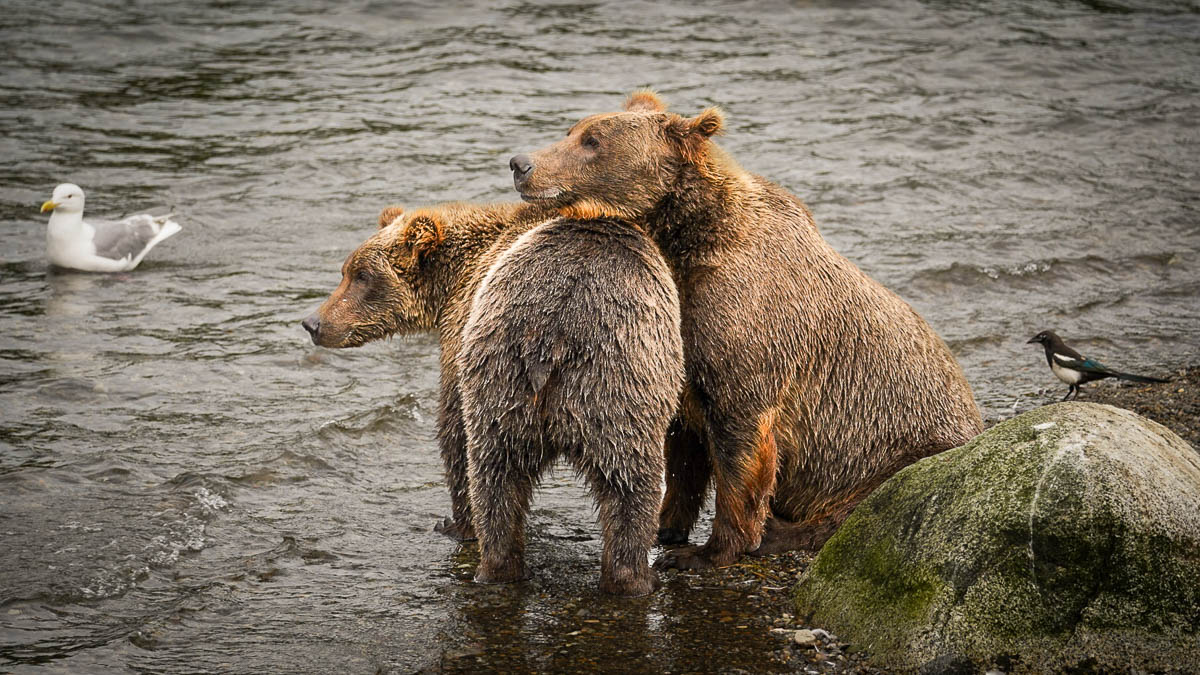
(362, 276)
(591, 142)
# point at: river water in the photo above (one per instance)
(188, 485)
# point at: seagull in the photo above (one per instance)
(99, 246)
(1072, 368)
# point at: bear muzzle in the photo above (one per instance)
(312, 324)
(522, 168)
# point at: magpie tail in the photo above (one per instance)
(1138, 378)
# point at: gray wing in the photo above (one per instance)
(117, 239)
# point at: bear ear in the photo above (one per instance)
(423, 233)
(708, 123)
(389, 215)
(644, 100)
(692, 135)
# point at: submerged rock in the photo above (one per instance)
(1068, 537)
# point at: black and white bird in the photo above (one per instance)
(1073, 368)
(101, 245)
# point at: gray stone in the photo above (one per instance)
(1067, 537)
(804, 638)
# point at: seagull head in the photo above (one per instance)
(67, 198)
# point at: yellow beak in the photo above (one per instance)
(49, 206)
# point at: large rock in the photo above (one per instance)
(1068, 537)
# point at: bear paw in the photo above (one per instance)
(693, 558)
(669, 536)
(457, 531)
(629, 585)
(781, 535)
(503, 573)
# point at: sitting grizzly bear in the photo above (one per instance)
(559, 338)
(808, 383)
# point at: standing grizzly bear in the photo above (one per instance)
(808, 383)
(572, 349)
(559, 338)
(420, 274)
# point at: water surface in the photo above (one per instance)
(188, 485)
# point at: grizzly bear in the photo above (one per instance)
(420, 274)
(808, 383)
(559, 338)
(572, 349)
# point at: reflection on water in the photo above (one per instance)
(70, 295)
(186, 484)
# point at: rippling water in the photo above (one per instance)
(186, 484)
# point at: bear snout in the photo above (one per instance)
(521, 167)
(312, 324)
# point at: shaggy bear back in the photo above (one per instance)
(572, 349)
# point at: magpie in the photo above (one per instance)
(1071, 367)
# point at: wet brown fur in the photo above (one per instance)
(572, 350)
(424, 269)
(421, 272)
(777, 327)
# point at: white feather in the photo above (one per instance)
(1065, 374)
(70, 241)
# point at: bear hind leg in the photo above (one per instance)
(781, 534)
(500, 499)
(628, 502)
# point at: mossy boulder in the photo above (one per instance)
(1067, 538)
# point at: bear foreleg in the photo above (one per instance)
(452, 439)
(744, 478)
(689, 471)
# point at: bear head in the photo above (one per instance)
(385, 288)
(617, 165)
